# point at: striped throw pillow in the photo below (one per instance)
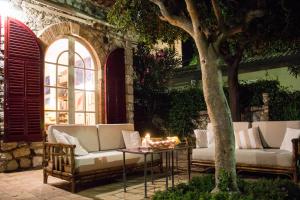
(249, 139)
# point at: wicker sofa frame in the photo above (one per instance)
(59, 162)
(292, 172)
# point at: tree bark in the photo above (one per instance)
(233, 90)
(220, 117)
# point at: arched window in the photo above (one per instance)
(70, 80)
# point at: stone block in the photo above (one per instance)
(5, 156)
(12, 165)
(2, 166)
(38, 151)
(129, 89)
(22, 144)
(8, 146)
(37, 161)
(129, 98)
(21, 152)
(36, 145)
(25, 163)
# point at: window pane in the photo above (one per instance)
(90, 101)
(78, 61)
(85, 54)
(50, 98)
(90, 80)
(50, 75)
(89, 64)
(90, 118)
(55, 49)
(62, 76)
(64, 58)
(62, 117)
(79, 101)
(79, 118)
(62, 99)
(50, 118)
(79, 79)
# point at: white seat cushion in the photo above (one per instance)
(108, 159)
(258, 157)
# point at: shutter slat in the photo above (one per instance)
(24, 84)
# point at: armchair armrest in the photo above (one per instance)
(59, 157)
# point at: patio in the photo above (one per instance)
(29, 185)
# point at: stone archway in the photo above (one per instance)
(57, 31)
(102, 45)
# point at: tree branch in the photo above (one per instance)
(193, 12)
(251, 15)
(180, 22)
(218, 14)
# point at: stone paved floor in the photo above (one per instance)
(29, 185)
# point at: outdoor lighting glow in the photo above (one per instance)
(7, 9)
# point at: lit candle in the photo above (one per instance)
(144, 143)
(147, 137)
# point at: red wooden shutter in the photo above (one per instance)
(115, 87)
(24, 96)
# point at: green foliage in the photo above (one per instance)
(200, 187)
(251, 92)
(184, 110)
(153, 69)
(283, 104)
(142, 18)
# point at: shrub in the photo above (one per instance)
(184, 110)
(199, 189)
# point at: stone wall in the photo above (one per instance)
(20, 155)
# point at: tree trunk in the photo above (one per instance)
(220, 117)
(233, 89)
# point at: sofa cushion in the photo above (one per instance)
(108, 159)
(273, 132)
(201, 138)
(86, 134)
(248, 139)
(132, 139)
(110, 135)
(257, 157)
(237, 126)
(290, 134)
(64, 138)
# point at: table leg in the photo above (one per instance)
(145, 175)
(189, 163)
(152, 168)
(172, 169)
(124, 173)
(167, 170)
(177, 160)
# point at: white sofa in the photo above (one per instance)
(103, 160)
(270, 159)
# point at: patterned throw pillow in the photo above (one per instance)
(132, 139)
(201, 138)
(249, 139)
